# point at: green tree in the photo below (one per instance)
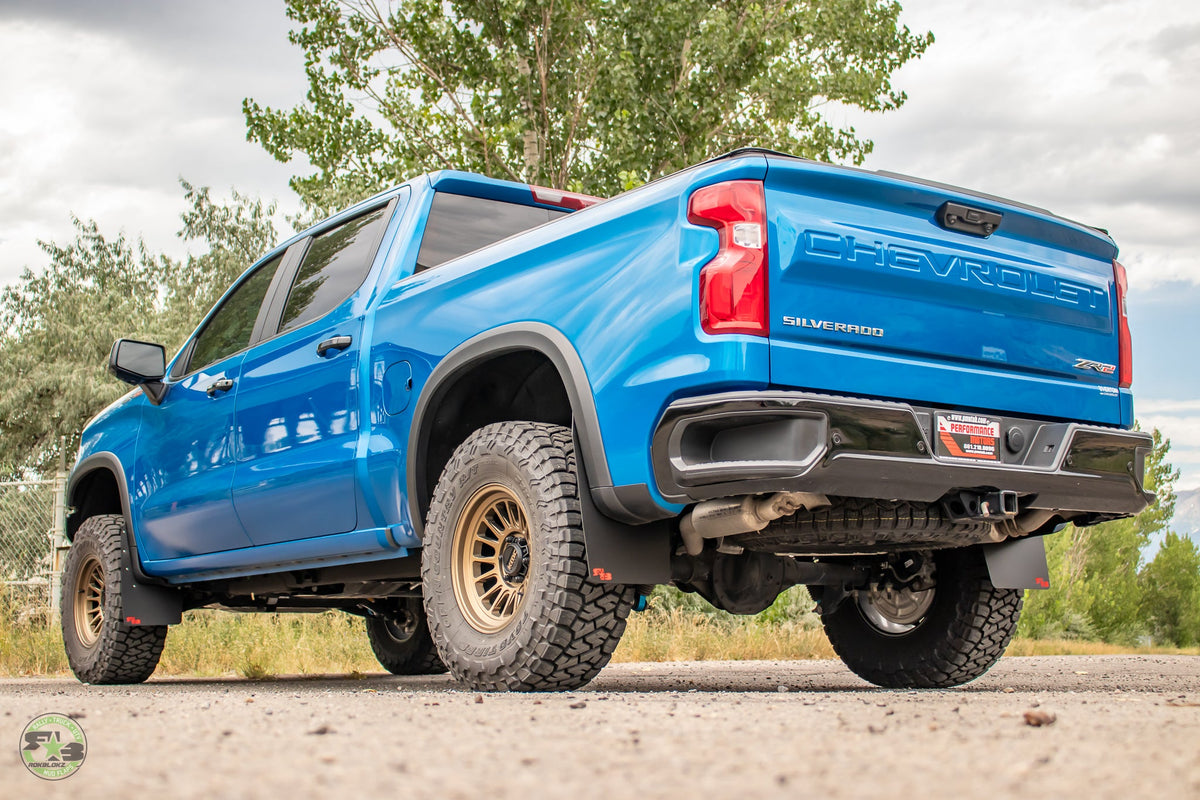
(1094, 571)
(1171, 591)
(591, 95)
(57, 325)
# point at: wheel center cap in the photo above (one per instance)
(514, 559)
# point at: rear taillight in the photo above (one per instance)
(733, 286)
(1125, 371)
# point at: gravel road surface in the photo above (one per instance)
(1125, 727)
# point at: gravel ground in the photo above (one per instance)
(1126, 727)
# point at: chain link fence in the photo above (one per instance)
(32, 542)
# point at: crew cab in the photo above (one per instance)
(490, 417)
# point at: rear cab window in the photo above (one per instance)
(459, 224)
(335, 265)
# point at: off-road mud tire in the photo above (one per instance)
(568, 624)
(119, 653)
(962, 635)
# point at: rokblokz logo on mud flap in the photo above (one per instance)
(53, 746)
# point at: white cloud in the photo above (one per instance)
(1162, 408)
(1087, 109)
(104, 130)
(1178, 421)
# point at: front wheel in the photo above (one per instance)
(101, 646)
(508, 597)
(943, 635)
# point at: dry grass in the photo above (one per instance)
(210, 643)
(676, 627)
(31, 650)
(682, 637)
(260, 645)
(1077, 647)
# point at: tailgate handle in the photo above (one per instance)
(964, 219)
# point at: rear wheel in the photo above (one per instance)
(400, 640)
(508, 597)
(935, 636)
(101, 647)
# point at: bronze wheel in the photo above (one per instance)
(89, 602)
(102, 646)
(491, 558)
(504, 572)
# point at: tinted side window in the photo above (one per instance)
(459, 225)
(335, 265)
(228, 331)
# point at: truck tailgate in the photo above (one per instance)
(873, 292)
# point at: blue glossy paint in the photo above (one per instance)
(320, 551)
(305, 464)
(957, 320)
(183, 471)
(298, 425)
(618, 280)
(397, 387)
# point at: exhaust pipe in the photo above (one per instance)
(1023, 524)
(730, 516)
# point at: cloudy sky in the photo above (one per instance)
(1090, 108)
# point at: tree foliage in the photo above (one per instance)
(1101, 589)
(57, 325)
(591, 95)
(1171, 592)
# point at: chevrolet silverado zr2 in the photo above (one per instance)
(490, 417)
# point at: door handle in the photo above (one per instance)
(222, 385)
(336, 343)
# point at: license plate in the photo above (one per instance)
(968, 436)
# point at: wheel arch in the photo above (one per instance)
(545, 381)
(97, 486)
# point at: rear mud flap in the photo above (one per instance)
(1018, 564)
(621, 553)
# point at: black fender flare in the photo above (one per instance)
(108, 461)
(628, 504)
(97, 461)
(507, 338)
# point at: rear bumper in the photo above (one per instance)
(753, 442)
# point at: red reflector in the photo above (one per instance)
(1125, 371)
(555, 197)
(733, 286)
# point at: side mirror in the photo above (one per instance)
(140, 363)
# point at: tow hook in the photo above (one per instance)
(981, 506)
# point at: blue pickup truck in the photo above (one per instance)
(490, 418)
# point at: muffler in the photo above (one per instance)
(731, 516)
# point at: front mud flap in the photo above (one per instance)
(147, 604)
(1018, 564)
